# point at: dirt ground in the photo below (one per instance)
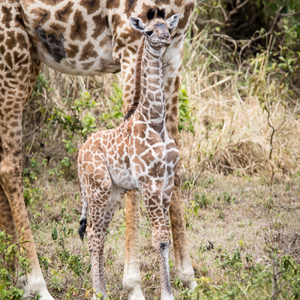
(223, 214)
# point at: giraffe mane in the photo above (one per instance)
(137, 81)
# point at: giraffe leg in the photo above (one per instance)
(167, 196)
(7, 223)
(6, 218)
(160, 235)
(102, 198)
(172, 65)
(132, 276)
(98, 204)
(12, 185)
(17, 76)
(96, 236)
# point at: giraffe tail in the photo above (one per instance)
(83, 218)
(82, 229)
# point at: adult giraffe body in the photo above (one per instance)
(82, 37)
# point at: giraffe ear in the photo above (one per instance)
(173, 21)
(137, 23)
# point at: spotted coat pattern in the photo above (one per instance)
(83, 37)
(139, 154)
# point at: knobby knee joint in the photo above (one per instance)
(10, 172)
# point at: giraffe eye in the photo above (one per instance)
(149, 33)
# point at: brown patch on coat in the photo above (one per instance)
(187, 12)
(52, 2)
(110, 4)
(57, 30)
(90, 5)
(158, 170)
(8, 59)
(117, 22)
(161, 2)
(88, 52)
(87, 66)
(18, 57)
(7, 16)
(72, 51)
(106, 40)
(42, 16)
(101, 24)
(10, 41)
(64, 13)
(179, 2)
(140, 131)
(148, 157)
(130, 6)
(79, 27)
(1, 35)
(22, 42)
(177, 83)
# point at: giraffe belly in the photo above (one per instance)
(69, 36)
(123, 179)
(102, 63)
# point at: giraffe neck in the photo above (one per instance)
(152, 100)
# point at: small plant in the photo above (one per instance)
(186, 117)
(65, 260)
(114, 115)
(13, 265)
(71, 119)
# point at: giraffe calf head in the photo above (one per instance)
(157, 30)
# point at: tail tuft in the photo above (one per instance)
(82, 229)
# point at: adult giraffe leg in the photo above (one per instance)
(18, 72)
(160, 234)
(132, 276)
(172, 60)
(6, 220)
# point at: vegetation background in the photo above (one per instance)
(239, 129)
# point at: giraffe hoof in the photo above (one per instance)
(22, 284)
(192, 285)
(136, 296)
(29, 294)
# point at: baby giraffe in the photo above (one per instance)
(138, 154)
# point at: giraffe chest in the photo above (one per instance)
(153, 155)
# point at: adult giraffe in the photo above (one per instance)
(80, 37)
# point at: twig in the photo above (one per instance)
(272, 134)
(235, 10)
(228, 38)
(33, 131)
(254, 39)
(216, 84)
(217, 7)
(214, 56)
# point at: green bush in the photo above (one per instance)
(13, 265)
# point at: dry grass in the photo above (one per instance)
(232, 130)
(230, 143)
(243, 222)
